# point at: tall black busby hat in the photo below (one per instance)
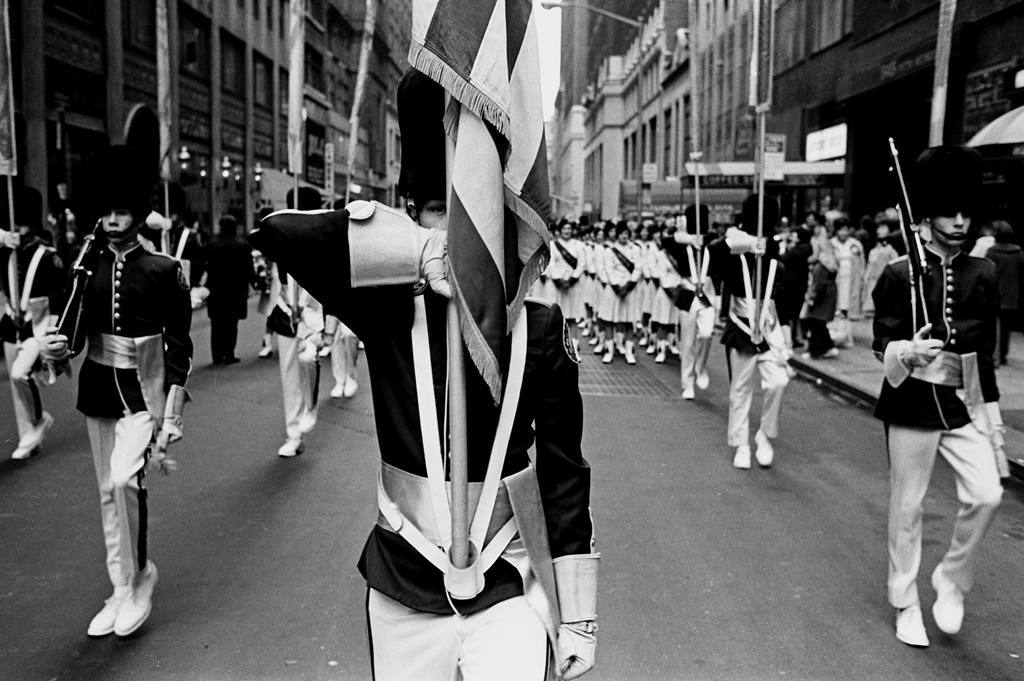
(309, 199)
(946, 181)
(119, 177)
(771, 215)
(28, 209)
(421, 124)
(690, 214)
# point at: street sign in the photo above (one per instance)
(774, 156)
(329, 172)
(650, 173)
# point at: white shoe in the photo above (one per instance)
(136, 608)
(628, 352)
(325, 351)
(948, 609)
(598, 345)
(265, 351)
(103, 623)
(338, 390)
(351, 386)
(742, 458)
(703, 380)
(674, 349)
(290, 448)
(652, 348)
(660, 357)
(594, 341)
(33, 438)
(609, 354)
(831, 353)
(910, 627)
(764, 452)
(689, 394)
(307, 422)
(643, 341)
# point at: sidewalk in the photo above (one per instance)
(857, 374)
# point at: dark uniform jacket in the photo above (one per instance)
(727, 267)
(136, 294)
(550, 412)
(229, 275)
(677, 255)
(49, 282)
(962, 305)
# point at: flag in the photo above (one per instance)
(296, 81)
(484, 54)
(762, 21)
(8, 146)
(163, 89)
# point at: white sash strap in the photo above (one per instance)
(506, 418)
(773, 268)
(182, 240)
(692, 259)
(30, 275)
(433, 454)
(704, 266)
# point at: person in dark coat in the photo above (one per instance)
(229, 275)
(1009, 260)
(820, 302)
(795, 268)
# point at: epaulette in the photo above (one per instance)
(539, 301)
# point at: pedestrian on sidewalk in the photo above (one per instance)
(939, 394)
(795, 263)
(753, 354)
(135, 313)
(1009, 260)
(40, 297)
(536, 610)
(229, 275)
(850, 277)
(880, 255)
(820, 303)
(266, 281)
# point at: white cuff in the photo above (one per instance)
(896, 372)
(384, 246)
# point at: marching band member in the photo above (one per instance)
(618, 309)
(664, 314)
(695, 302)
(595, 268)
(538, 597)
(939, 395)
(754, 341)
(33, 302)
(134, 312)
(563, 285)
(297, 321)
(344, 359)
(647, 287)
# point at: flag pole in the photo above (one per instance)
(458, 443)
(11, 162)
(12, 260)
(943, 44)
(369, 26)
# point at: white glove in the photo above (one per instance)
(53, 346)
(159, 461)
(919, 351)
(9, 239)
(433, 261)
(576, 648)
(157, 221)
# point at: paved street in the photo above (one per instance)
(708, 573)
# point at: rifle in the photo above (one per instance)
(70, 319)
(911, 232)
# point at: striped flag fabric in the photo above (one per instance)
(8, 146)
(484, 54)
(163, 89)
(296, 81)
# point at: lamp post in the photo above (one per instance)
(639, 98)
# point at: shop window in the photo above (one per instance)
(262, 82)
(314, 68)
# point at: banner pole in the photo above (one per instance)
(12, 260)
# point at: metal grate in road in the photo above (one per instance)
(620, 379)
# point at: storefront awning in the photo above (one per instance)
(1007, 129)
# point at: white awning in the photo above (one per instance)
(1007, 129)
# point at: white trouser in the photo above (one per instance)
(693, 351)
(298, 384)
(741, 392)
(28, 409)
(505, 642)
(911, 459)
(343, 355)
(119, 448)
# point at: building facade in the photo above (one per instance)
(85, 77)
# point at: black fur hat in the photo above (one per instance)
(119, 177)
(691, 218)
(309, 199)
(28, 208)
(771, 215)
(421, 124)
(946, 181)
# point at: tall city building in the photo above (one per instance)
(86, 76)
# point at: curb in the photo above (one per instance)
(861, 397)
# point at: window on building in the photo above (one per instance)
(314, 68)
(790, 46)
(140, 22)
(652, 141)
(194, 31)
(282, 19)
(262, 82)
(270, 14)
(667, 159)
(256, 13)
(282, 90)
(241, 5)
(687, 146)
(827, 23)
(92, 11)
(232, 64)
(317, 10)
